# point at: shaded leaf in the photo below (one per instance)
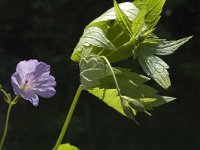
(163, 100)
(92, 69)
(169, 47)
(152, 65)
(155, 67)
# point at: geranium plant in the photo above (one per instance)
(125, 31)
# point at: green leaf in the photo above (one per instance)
(131, 87)
(92, 69)
(128, 8)
(109, 96)
(140, 4)
(123, 20)
(119, 33)
(116, 48)
(155, 67)
(169, 47)
(139, 22)
(152, 65)
(92, 36)
(163, 100)
(154, 8)
(67, 147)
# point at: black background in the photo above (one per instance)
(48, 30)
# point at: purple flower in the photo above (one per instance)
(32, 79)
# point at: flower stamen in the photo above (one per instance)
(24, 86)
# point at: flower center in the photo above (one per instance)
(24, 86)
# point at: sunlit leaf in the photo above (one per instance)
(154, 8)
(123, 20)
(67, 147)
(128, 8)
(138, 22)
(92, 36)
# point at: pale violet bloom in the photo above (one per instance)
(32, 78)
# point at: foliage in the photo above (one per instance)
(48, 30)
(124, 31)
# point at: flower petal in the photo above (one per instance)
(45, 88)
(30, 96)
(27, 66)
(41, 70)
(16, 80)
(45, 82)
(46, 92)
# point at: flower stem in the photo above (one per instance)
(6, 125)
(68, 119)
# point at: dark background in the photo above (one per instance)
(48, 30)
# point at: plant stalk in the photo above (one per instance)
(6, 125)
(68, 119)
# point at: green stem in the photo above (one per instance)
(114, 77)
(67, 121)
(6, 125)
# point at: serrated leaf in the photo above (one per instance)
(154, 8)
(92, 36)
(92, 69)
(169, 47)
(132, 87)
(155, 67)
(67, 147)
(103, 37)
(122, 19)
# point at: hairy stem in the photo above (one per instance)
(68, 119)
